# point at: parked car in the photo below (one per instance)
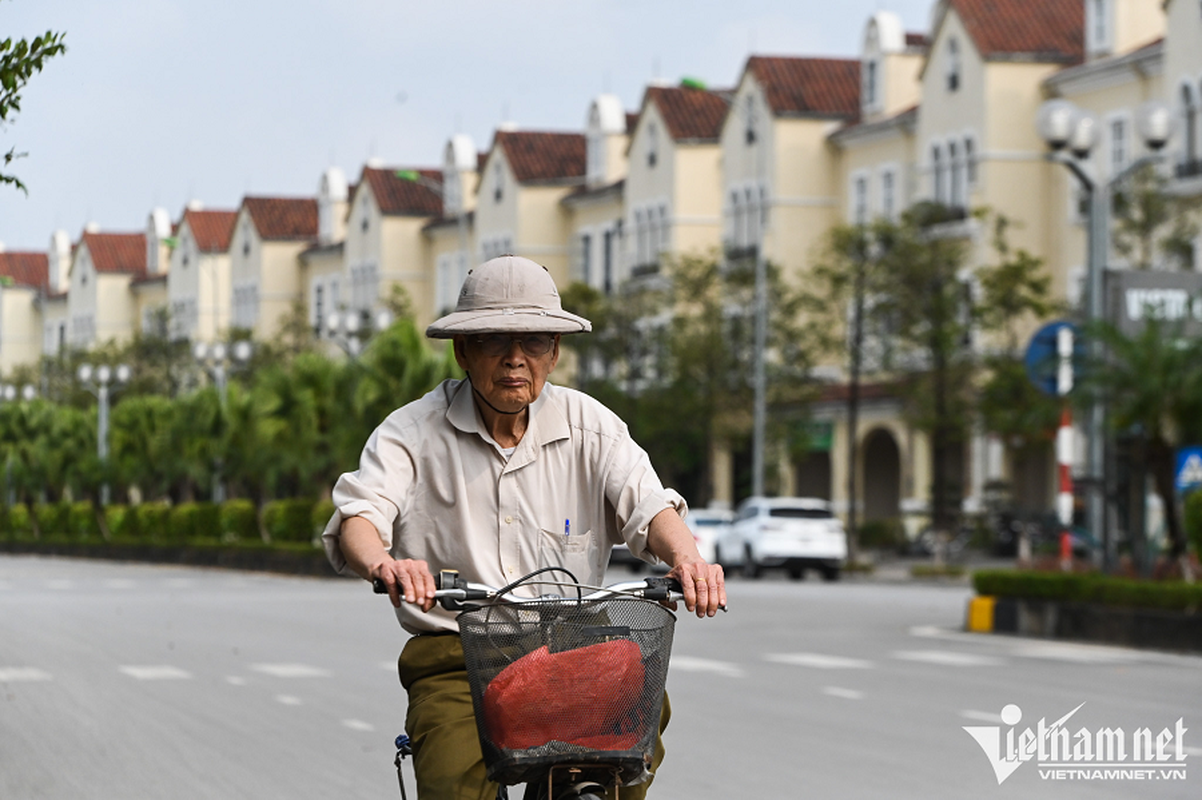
(708, 525)
(790, 533)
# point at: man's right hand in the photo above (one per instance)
(407, 578)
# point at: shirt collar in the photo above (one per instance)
(547, 421)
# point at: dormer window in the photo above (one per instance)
(1098, 29)
(652, 145)
(953, 65)
(750, 120)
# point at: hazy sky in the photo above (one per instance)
(160, 101)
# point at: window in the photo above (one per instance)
(953, 165)
(888, 198)
(970, 161)
(859, 211)
(319, 306)
(607, 263)
(953, 65)
(640, 238)
(937, 174)
(1097, 26)
(749, 118)
(586, 259)
(498, 183)
(870, 78)
(1189, 114)
(652, 144)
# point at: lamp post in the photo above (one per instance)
(345, 329)
(1071, 134)
(216, 358)
(97, 380)
(9, 394)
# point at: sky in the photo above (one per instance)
(160, 102)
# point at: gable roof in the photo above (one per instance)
(395, 195)
(809, 87)
(542, 156)
(26, 269)
(283, 218)
(212, 230)
(691, 114)
(117, 252)
(1047, 31)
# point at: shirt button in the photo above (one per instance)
(508, 520)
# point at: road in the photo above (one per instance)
(136, 681)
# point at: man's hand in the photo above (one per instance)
(408, 579)
(704, 586)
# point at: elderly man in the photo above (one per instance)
(497, 475)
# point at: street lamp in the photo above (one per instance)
(97, 381)
(1065, 127)
(345, 329)
(216, 358)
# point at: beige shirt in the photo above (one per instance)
(438, 488)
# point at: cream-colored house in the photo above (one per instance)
(450, 238)
(265, 274)
(102, 304)
(323, 264)
(384, 242)
(52, 304)
(673, 189)
(198, 280)
(24, 276)
(518, 210)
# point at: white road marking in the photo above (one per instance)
(981, 716)
(1076, 653)
(1193, 751)
(235, 680)
(23, 674)
(156, 672)
(691, 664)
(818, 661)
(291, 670)
(947, 658)
(119, 583)
(288, 699)
(358, 725)
(846, 694)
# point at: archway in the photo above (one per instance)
(812, 475)
(882, 476)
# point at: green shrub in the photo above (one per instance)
(82, 523)
(238, 521)
(121, 520)
(195, 521)
(289, 520)
(1077, 588)
(54, 519)
(19, 521)
(882, 534)
(1193, 519)
(322, 511)
(153, 521)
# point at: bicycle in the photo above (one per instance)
(567, 689)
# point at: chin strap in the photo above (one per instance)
(490, 405)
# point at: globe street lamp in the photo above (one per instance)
(97, 381)
(216, 358)
(1071, 134)
(345, 329)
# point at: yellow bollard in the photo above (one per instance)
(980, 614)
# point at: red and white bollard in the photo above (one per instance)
(1064, 448)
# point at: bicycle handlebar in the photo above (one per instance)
(452, 591)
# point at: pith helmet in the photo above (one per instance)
(507, 294)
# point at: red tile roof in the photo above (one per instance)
(283, 218)
(395, 195)
(819, 87)
(917, 39)
(690, 114)
(1044, 31)
(543, 157)
(212, 230)
(26, 269)
(117, 252)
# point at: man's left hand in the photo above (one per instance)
(704, 586)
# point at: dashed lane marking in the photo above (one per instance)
(155, 672)
(846, 694)
(235, 680)
(23, 674)
(947, 658)
(691, 664)
(288, 699)
(119, 583)
(358, 725)
(818, 661)
(291, 670)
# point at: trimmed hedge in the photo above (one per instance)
(81, 521)
(190, 521)
(1099, 589)
(54, 519)
(239, 522)
(289, 520)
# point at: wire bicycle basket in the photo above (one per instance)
(564, 680)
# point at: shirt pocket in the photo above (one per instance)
(577, 553)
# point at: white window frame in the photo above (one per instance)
(887, 179)
(954, 64)
(859, 187)
(1118, 151)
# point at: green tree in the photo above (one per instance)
(1151, 225)
(19, 60)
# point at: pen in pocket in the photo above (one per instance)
(567, 527)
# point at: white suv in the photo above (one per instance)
(796, 533)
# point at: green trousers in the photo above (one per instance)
(441, 724)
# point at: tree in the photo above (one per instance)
(1152, 226)
(19, 60)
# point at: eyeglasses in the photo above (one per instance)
(496, 344)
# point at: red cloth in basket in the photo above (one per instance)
(586, 696)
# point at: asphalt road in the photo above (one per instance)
(135, 681)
